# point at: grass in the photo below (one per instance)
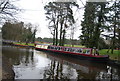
(114, 56)
(29, 44)
(68, 45)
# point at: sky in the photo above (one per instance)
(33, 12)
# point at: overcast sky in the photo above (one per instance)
(34, 13)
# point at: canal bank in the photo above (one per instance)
(7, 69)
(0, 66)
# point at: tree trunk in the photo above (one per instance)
(56, 33)
(63, 38)
(61, 32)
(113, 42)
(54, 37)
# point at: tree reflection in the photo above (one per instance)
(55, 71)
(50, 73)
(61, 68)
(18, 55)
(110, 74)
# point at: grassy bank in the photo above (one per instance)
(68, 45)
(29, 44)
(114, 56)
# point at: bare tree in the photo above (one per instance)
(7, 10)
(60, 16)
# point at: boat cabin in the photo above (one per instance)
(65, 49)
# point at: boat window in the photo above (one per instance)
(80, 50)
(54, 48)
(68, 49)
(65, 49)
(84, 51)
(51, 47)
(88, 51)
(73, 50)
(58, 48)
(48, 47)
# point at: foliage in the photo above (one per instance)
(101, 17)
(50, 40)
(7, 10)
(115, 24)
(12, 31)
(18, 32)
(60, 16)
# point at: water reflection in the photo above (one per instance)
(63, 67)
(32, 64)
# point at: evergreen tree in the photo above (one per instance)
(115, 23)
(94, 23)
(88, 25)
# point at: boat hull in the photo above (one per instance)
(78, 56)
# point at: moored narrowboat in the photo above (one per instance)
(82, 53)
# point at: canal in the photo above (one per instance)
(32, 64)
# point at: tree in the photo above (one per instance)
(115, 23)
(94, 23)
(18, 32)
(88, 25)
(7, 10)
(118, 37)
(61, 17)
(12, 31)
(29, 33)
(52, 15)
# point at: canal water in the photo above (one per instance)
(32, 64)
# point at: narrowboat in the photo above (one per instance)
(82, 53)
